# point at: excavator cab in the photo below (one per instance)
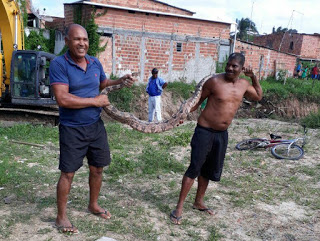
(30, 83)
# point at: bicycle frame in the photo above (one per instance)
(270, 143)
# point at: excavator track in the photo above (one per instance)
(44, 116)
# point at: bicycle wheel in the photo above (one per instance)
(248, 144)
(282, 151)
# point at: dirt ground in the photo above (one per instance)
(283, 220)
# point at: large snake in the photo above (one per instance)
(153, 127)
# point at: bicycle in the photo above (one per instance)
(281, 149)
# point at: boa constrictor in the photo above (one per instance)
(154, 127)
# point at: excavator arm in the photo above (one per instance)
(11, 36)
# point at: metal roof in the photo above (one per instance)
(144, 11)
(173, 6)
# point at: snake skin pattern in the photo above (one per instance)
(154, 127)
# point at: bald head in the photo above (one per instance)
(74, 27)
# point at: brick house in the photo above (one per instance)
(305, 46)
(143, 34)
(266, 61)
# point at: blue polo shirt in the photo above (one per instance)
(81, 83)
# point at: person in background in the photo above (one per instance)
(314, 72)
(299, 69)
(154, 89)
(305, 72)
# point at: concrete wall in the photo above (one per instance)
(59, 42)
(266, 62)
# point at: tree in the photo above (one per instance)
(91, 27)
(35, 40)
(283, 30)
(246, 29)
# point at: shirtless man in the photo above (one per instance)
(209, 142)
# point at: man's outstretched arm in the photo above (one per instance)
(127, 79)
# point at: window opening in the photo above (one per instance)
(179, 47)
(291, 45)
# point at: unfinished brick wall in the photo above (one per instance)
(145, 5)
(264, 61)
(157, 54)
(311, 47)
(181, 48)
(305, 45)
(290, 43)
(57, 23)
(127, 53)
(162, 24)
(106, 56)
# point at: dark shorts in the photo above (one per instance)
(85, 141)
(208, 153)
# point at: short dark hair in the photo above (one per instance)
(154, 71)
(238, 56)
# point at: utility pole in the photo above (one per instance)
(250, 19)
(235, 38)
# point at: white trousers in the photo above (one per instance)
(154, 108)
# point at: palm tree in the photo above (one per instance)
(246, 28)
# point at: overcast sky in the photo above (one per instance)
(297, 14)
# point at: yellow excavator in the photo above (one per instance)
(24, 74)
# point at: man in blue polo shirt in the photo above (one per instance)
(154, 88)
(77, 79)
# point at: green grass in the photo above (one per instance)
(156, 161)
(181, 89)
(142, 184)
(178, 139)
(33, 133)
(301, 89)
(14, 156)
(214, 234)
(312, 120)
(304, 90)
(125, 99)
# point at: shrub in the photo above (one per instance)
(312, 120)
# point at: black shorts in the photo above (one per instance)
(77, 142)
(208, 152)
